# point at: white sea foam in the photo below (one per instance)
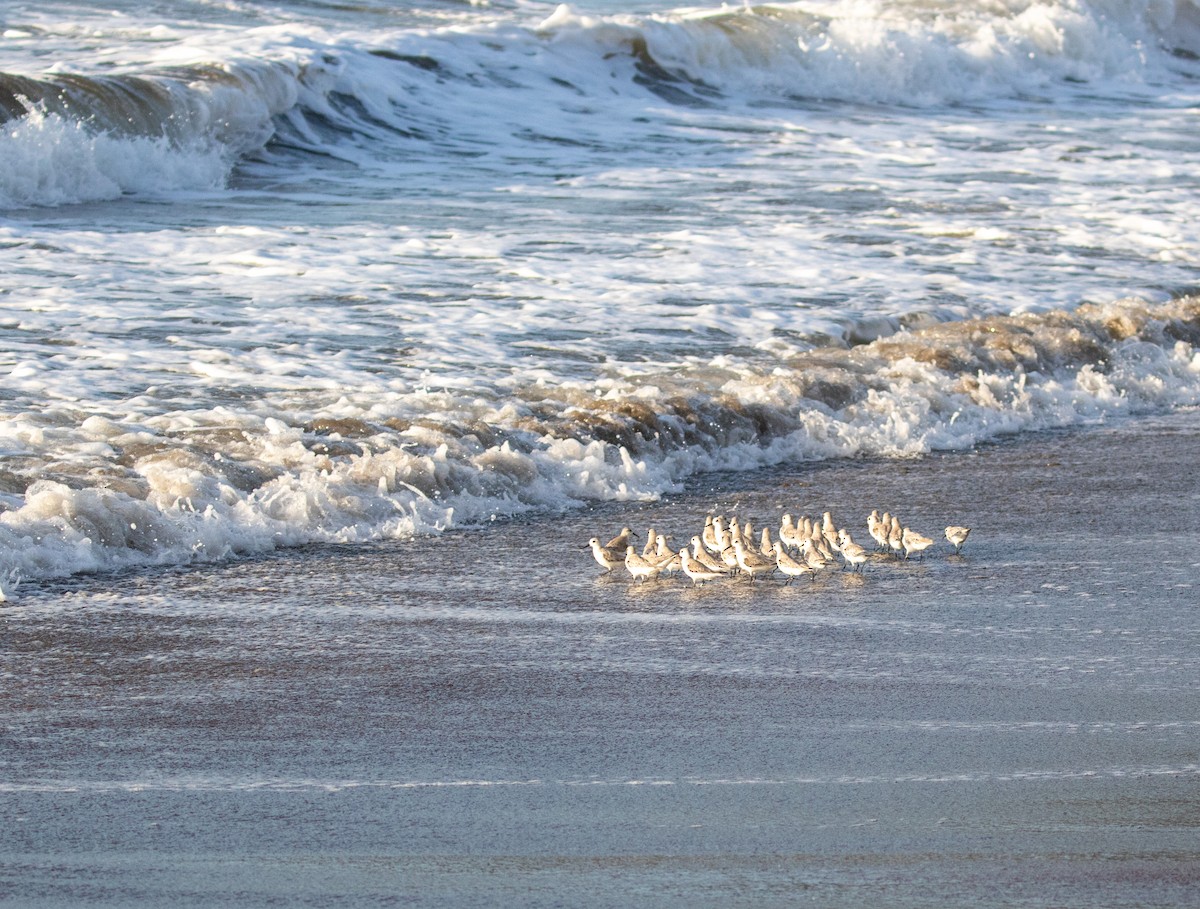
(49, 160)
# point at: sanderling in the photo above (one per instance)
(666, 556)
(700, 554)
(697, 570)
(605, 558)
(766, 547)
(751, 562)
(620, 541)
(957, 536)
(651, 547)
(789, 533)
(878, 528)
(789, 567)
(639, 566)
(820, 544)
(853, 554)
(663, 549)
(709, 535)
(914, 542)
(812, 558)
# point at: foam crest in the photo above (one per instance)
(52, 161)
(890, 51)
(72, 138)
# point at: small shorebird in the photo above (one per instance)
(957, 536)
(751, 562)
(709, 535)
(878, 528)
(813, 559)
(735, 531)
(914, 542)
(789, 533)
(852, 554)
(639, 566)
(697, 571)
(651, 547)
(620, 541)
(667, 560)
(606, 558)
(661, 546)
(766, 547)
(821, 545)
(728, 555)
(789, 567)
(700, 555)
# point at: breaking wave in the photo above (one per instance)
(83, 137)
(101, 494)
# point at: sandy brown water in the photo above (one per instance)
(484, 719)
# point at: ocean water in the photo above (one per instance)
(278, 274)
(332, 330)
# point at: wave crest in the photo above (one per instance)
(72, 138)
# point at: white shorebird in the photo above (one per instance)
(751, 562)
(852, 554)
(700, 555)
(661, 546)
(812, 558)
(728, 555)
(640, 567)
(821, 546)
(735, 531)
(789, 534)
(896, 537)
(766, 547)
(696, 570)
(606, 558)
(878, 528)
(831, 540)
(914, 542)
(789, 567)
(651, 547)
(720, 537)
(667, 559)
(709, 535)
(957, 536)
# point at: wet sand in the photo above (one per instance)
(485, 719)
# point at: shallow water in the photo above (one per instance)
(482, 717)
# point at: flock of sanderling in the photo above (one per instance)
(799, 547)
